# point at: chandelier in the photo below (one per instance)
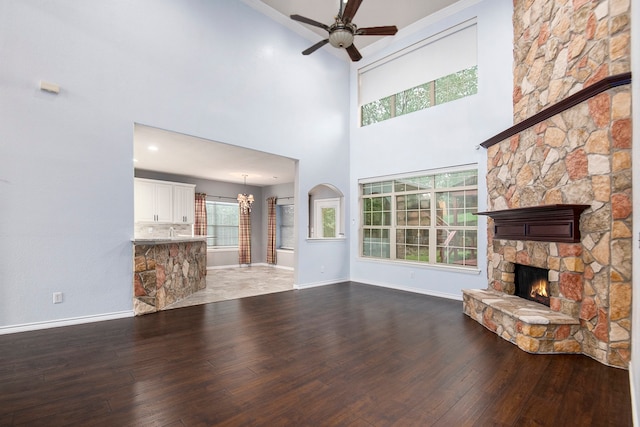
(245, 201)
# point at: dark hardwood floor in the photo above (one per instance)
(346, 355)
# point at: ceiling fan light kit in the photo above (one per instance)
(342, 32)
(341, 37)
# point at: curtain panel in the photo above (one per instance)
(244, 238)
(271, 230)
(200, 224)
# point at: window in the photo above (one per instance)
(222, 224)
(440, 69)
(427, 218)
(284, 221)
(327, 221)
(326, 212)
(445, 89)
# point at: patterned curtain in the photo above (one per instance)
(244, 238)
(200, 225)
(271, 230)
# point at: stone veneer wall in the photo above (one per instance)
(562, 46)
(581, 156)
(166, 273)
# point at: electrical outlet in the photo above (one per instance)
(57, 297)
(411, 275)
(322, 269)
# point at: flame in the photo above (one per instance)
(539, 288)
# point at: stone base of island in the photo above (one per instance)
(166, 271)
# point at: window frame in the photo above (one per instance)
(318, 218)
(210, 237)
(421, 75)
(394, 228)
(279, 226)
(435, 91)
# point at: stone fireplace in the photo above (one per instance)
(571, 146)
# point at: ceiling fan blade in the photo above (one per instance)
(353, 53)
(315, 47)
(350, 10)
(377, 31)
(309, 21)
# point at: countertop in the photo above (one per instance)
(165, 240)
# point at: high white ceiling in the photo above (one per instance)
(190, 156)
(372, 13)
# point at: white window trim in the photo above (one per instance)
(393, 227)
(320, 204)
(228, 248)
(279, 228)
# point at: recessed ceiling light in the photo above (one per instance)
(135, 160)
(152, 148)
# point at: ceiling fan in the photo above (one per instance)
(342, 31)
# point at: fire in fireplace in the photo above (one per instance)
(532, 283)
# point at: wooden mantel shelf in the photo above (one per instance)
(546, 223)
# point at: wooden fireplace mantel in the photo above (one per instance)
(546, 223)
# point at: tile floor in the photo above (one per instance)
(239, 282)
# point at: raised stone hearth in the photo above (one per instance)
(529, 325)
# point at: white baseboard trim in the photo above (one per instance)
(221, 267)
(414, 290)
(25, 327)
(282, 267)
(317, 284)
(634, 397)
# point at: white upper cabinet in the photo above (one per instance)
(163, 202)
(183, 203)
(153, 201)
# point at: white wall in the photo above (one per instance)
(440, 136)
(213, 69)
(635, 339)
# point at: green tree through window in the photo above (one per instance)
(445, 89)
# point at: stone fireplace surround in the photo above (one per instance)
(571, 144)
(590, 278)
(532, 326)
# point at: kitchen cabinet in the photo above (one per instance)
(153, 201)
(183, 203)
(164, 202)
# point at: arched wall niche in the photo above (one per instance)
(326, 212)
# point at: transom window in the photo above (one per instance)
(445, 89)
(439, 69)
(426, 218)
(222, 224)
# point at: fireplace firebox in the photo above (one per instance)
(532, 283)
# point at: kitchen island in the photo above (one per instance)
(167, 270)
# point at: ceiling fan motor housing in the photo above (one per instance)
(341, 35)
